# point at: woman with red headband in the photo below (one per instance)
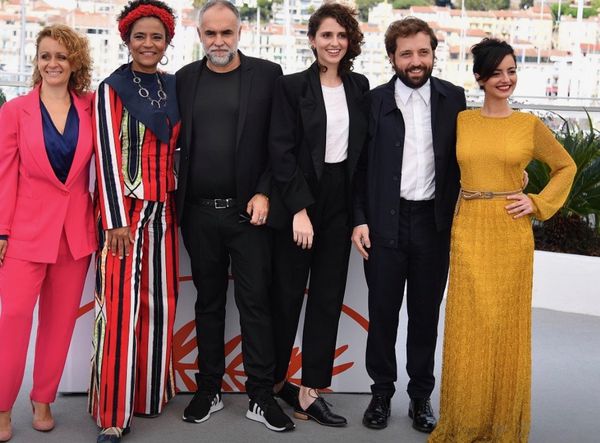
(136, 126)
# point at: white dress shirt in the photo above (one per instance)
(418, 165)
(338, 123)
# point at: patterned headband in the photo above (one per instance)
(147, 11)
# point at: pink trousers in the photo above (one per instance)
(59, 286)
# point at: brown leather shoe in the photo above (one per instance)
(42, 424)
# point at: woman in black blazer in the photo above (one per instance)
(318, 128)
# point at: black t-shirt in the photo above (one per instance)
(214, 128)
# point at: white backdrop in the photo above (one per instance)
(349, 369)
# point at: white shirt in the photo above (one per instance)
(418, 165)
(338, 124)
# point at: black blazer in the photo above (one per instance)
(298, 133)
(251, 161)
(377, 184)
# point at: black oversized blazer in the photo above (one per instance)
(298, 134)
(257, 79)
(377, 183)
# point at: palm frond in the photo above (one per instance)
(584, 148)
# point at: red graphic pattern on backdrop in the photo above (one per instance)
(184, 344)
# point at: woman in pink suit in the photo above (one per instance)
(46, 223)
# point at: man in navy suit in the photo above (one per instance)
(405, 191)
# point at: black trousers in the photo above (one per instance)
(327, 263)
(213, 238)
(421, 262)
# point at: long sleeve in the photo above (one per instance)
(283, 139)
(266, 179)
(562, 172)
(359, 191)
(9, 166)
(359, 187)
(107, 146)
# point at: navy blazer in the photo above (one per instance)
(251, 156)
(377, 184)
(298, 133)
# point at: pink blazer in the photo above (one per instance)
(34, 205)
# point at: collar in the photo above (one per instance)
(159, 121)
(403, 92)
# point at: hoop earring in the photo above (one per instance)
(164, 62)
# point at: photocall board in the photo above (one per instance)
(349, 373)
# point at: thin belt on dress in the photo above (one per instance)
(485, 195)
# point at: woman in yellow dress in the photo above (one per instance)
(486, 377)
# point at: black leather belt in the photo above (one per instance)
(217, 203)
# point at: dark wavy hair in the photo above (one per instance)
(78, 55)
(407, 27)
(488, 54)
(346, 17)
(136, 4)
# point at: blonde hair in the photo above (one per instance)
(78, 56)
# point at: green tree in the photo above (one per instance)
(486, 5)
(405, 4)
(363, 7)
(247, 13)
(526, 4)
(572, 11)
(2, 97)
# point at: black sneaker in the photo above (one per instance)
(202, 405)
(264, 409)
(289, 393)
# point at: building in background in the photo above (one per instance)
(555, 59)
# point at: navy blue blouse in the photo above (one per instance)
(60, 147)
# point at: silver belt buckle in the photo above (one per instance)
(221, 203)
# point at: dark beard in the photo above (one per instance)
(404, 78)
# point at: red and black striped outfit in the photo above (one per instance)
(132, 367)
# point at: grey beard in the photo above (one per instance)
(221, 61)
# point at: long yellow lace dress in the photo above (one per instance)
(486, 376)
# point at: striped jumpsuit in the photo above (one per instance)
(135, 297)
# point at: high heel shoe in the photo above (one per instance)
(41, 425)
(6, 433)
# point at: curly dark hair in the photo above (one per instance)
(136, 4)
(78, 56)
(407, 27)
(488, 54)
(346, 17)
